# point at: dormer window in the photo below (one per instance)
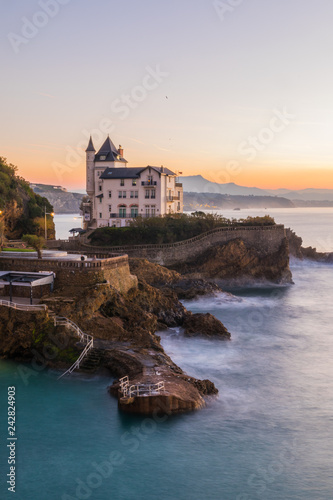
(103, 157)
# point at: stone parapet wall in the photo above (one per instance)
(115, 270)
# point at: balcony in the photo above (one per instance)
(179, 185)
(171, 198)
(148, 183)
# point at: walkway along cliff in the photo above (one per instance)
(225, 253)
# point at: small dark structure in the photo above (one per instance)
(25, 280)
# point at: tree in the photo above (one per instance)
(36, 242)
(2, 234)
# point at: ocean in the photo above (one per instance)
(267, 435)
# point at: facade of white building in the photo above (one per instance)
(118, 193)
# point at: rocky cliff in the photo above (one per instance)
(124, 327)
(239, 262)
(297, 250)
(63, 201)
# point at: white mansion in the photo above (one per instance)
(118, 193)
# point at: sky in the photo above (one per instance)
(235, 90)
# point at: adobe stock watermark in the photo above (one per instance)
(121, 107)
(277, 124)
(251, 147)
(31, 27)
(226, 7)
(131, 440)
(265, 476)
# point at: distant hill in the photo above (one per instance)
(198, 184)
(216, 201)
(303, 197)
(63, 201)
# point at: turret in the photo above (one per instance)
(90, 179)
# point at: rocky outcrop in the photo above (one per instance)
(298, 251)
(205, 325)
(63, 201)
(166, 279)
(32, 337)
(124, 328)
(237, 262)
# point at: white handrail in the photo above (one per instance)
(84, 337)
(23, 307)
(150, 389)
(75, 365)
(58, 321)
(62, 321)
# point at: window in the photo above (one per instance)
(100, 200)
(153, 193)
(133, 182)
(136, 194)
(178, 206)
(124, 194)
(178, 195)
(110, 208)
(132, 194)
(100, 187)
(100, 215)
(120, 194)
(102, 157)
(153, 211)
(122, 212)
(110, 194)
(122, 182)
(134, 211)
(146, 193)
(150, 179)
(147, 211)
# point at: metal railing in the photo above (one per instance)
(139, 389)
(84, 337)
(58, 321)
(76, 365)
(145, 389)
(62, 321)
(23, 307)
(148, 183)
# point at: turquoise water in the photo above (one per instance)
(268, 435)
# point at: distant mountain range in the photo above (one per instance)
(199, 193)
(198, 184)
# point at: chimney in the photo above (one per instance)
(162, 168)
(121, 151)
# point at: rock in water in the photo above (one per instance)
(206, 325)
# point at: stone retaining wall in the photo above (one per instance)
(115, 270)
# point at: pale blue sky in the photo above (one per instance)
(225, 79)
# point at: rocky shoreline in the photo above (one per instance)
(124, 325)
(124, 328)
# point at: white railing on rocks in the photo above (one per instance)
(58, 321)
(23, 307)
(84, 337)
(76, 365)
(62, 321)
(140, 389)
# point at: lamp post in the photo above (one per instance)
(45, 214)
